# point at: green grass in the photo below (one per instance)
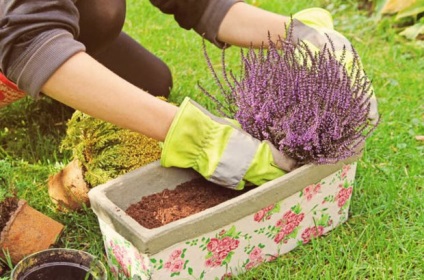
(383, 238)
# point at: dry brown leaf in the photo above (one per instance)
(394, 6)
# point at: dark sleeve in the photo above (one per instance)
(36, 38)
(203, 16)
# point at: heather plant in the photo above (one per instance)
(309, 104)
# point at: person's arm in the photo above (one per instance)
(245, 25)
(193, 138)
(84, 84)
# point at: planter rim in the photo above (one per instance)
(93, 258)
(211, 219)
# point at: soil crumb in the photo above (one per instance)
(186, 199)
(7, 207)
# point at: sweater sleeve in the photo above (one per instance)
(203, 16)
(36, 38)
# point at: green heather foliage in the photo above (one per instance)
(105, 150)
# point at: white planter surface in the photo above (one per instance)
(229, 238)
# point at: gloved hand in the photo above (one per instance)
(219, 150)
(314, 26)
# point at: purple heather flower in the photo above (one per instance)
(311, 109)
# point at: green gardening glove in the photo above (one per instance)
(314, 26)
(219, 150)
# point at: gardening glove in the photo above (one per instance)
(219, 150)
(312, 26)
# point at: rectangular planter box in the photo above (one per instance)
(227, 239)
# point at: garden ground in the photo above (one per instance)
(383, 238)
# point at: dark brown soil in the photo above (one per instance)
(63, 271)
(7, 207)
(186, 199)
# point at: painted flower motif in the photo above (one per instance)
(271, 258)
(211, 262)
(113, 270)
(213, 244)
(227, 276)
(317, 188)
(220, 248)
(177, 266)
(310, 191)
(250, 265)
(167, 265)
(265, 213)
(345, 171)
(120, 255)
(287, 224)
(312, 232)
(259, 215)
(176, 254)
(139, 258)
(255, 258)
(279, 237)
(175, 263)
(256, 254)
(343, 195)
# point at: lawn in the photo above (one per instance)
(383, 238)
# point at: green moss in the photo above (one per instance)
(105, 150)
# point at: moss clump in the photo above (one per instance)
(105, 150)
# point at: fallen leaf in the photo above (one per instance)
(394, 6)
(414, 31)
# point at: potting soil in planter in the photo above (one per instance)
(59, 264)
(188, 198)
(58, 270)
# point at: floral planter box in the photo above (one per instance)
(227, 239)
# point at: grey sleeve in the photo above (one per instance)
(203, 16)
(36, 38)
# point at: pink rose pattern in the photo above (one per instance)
(310, 191)
(228, 245)
(343, 195)
(312, 232)
(345, 171)
(264, 214)
(287, 224)
(123, 262)
(175, 263)
(255, 258)
(219, 249)
(227, 276)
